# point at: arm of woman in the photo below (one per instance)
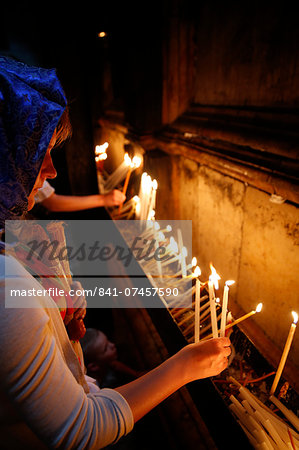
(57, 202)
(40, 385)
(42, 388)
(193, 362)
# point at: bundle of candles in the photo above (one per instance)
(171, 272)
(123, 172)
(101, 155)
(264, 428)
(147, 196)
(208, 317)
(142, 206)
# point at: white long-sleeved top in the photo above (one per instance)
(44, 398)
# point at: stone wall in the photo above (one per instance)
(247, 237)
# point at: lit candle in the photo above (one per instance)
(213, 281)
(152, 202)
(285, 353)
(224, 307)
(145, 189)
(101, 155)
(157, 245)
(136, 203)
(127, 179)
(119, 174)
(172, 247)
(134, 164)
(182, 253)
(168, 229)
(101, 148)
(197, 273)
(246, 316)
(137, 206)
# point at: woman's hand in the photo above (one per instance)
(205, 359)
(114, 198)
(193, 362)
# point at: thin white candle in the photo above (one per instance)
(137, 206)
(197, 273)
(246, 316)
(120, 172)
(117, 176)
(285, 353)
(182, 252)
(286, 412)
(224, 307)
(152, 201)
(141, 194)
(213, 282)
(157, 245)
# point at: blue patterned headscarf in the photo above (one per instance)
(31, 104)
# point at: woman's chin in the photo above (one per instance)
(31, 203)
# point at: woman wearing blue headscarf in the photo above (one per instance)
(45, 399)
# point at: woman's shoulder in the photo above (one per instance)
(18, 288)
(9, 265)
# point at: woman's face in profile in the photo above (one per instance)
(47, 170)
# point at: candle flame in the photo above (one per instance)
(169, 228)
(147, 183)
(197, 271)
(214, 277)
(155, 185)
(295, 316)
(229, 282)
(194, 261)
(136, 199)
(217, 300)
(136, 162)
(127, 159)
(151, 215)
(157, 226)
(259, 307)
(102, 34)
(101, 148)
(101, 157)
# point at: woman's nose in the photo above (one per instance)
(49, 170)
